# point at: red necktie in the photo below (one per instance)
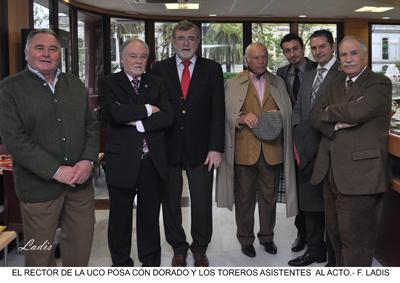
(185, 80)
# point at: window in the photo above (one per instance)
(385, 48)
(163, 45)
(305, 31)
(223, 43)
(386, 59)
(121, 30)
(65, 37)
(271, 34)
(41, 14)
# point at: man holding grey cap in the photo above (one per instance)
(257, 144)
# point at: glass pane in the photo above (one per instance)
(163, 34)
(121, 30)
(305, 31)
(90, 53)
(271, 34)
(41, 15)
(388, 64)
(65, 37)
(223, 42)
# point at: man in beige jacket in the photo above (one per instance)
(250, 166)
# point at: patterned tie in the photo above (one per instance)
(317, 84)
(185, 80)
(296, 83)
(349, 83)
(135, 83)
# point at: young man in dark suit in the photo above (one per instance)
(138, 111)
(293, 49)
(306, 140)
(353, 118)
(194, 142)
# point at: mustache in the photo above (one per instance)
(351, 64)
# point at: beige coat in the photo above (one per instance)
(235, 94)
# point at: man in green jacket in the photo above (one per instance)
(47, 126)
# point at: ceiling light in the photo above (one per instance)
(374, 9)
(303, 16)
(182, 6)
(212, 15)
(385, 18)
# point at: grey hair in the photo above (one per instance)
(363, 47)
(134, 40)
(247, 51)
(185, 25)
(35, 32)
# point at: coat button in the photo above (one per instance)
(183, 111)
(181, 127)
(59, 119)
(65, 158)
(55, 100)
(63, 139)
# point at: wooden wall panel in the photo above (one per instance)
(18, 18)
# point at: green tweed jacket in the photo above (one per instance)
(43, 130)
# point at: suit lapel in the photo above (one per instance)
(125, 84)
(329, 77)
(197, 71)
(144, 90)
(172, 73)
(355, 88)
(308, 89)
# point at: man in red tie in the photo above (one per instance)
(194, 142)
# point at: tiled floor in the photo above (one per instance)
(224, 249)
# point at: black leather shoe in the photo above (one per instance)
(270, 248)
(179, 261)
(298, 244)
(249, 250)
(200, 260)
(305, 260)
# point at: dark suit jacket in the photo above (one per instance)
(305, 136)
(124, 143)
(283, 72)
(199, 124)
(307, 139)
(357, 155)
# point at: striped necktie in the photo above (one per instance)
(317, 84)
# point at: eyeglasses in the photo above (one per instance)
(191, 39)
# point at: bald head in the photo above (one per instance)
(256, 58)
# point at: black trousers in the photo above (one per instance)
(315, 226)
(300, 221)
(148, 190)
(200, 187)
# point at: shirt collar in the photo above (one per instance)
(192, 60)
(254, 76)
(130, 78)
(356, 77)
(37, 73)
